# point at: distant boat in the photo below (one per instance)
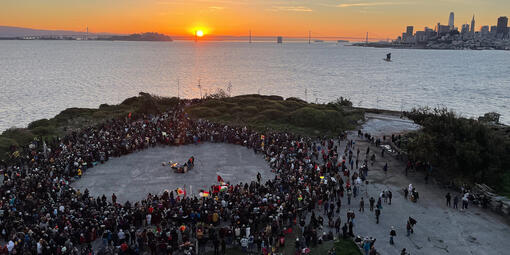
(342, 41)
(388, 57)
(318, 41)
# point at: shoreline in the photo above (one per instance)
(383, 46)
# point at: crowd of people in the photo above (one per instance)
(40, 213)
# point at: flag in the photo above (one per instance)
(45, 149)
(129, 115)
(223, 188)
(181, 192)
(204, 194)
(220, 179)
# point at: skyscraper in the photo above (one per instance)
(484, 30)
(465, 29)
(502, 26)
(409, 30)
(451, 21)
(473, 25)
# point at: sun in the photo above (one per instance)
(200, 33)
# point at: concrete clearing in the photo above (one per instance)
(132, 177)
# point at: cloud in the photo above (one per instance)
(218, 8)
(292, 8)
(371, 4)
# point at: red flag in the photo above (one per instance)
(129, 115)
(220, 179)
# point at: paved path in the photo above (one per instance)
(440, 230)
(132, 177)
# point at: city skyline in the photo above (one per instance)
(326, 18)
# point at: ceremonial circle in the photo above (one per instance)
(132, 177)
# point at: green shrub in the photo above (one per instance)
(20, 135)
(44, 131)
(307, 117)
(461, 148)
(273, 114)
(5, 144)
(203, 112)
(39, 123)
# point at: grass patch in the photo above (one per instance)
(278, 114)
(346, 247)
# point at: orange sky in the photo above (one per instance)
(349, 18)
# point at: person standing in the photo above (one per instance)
(244, 244)
(349, 195)
(377, 214)
(223, 246)
(338, 223)
(455, 202)
(351, 225)
(344, 231)
(390, 195)
(406, 192)
(448, 199)
(465, 201)
(362, 205)
(393, 233)
(216, 245)
(372, 202)
(366, 246)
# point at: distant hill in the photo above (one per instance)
(139, 37)
(6, 31)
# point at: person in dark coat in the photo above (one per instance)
(377, 214)
(393, 233)
(344, 231)
(223, 247)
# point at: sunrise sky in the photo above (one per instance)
(348, 18)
